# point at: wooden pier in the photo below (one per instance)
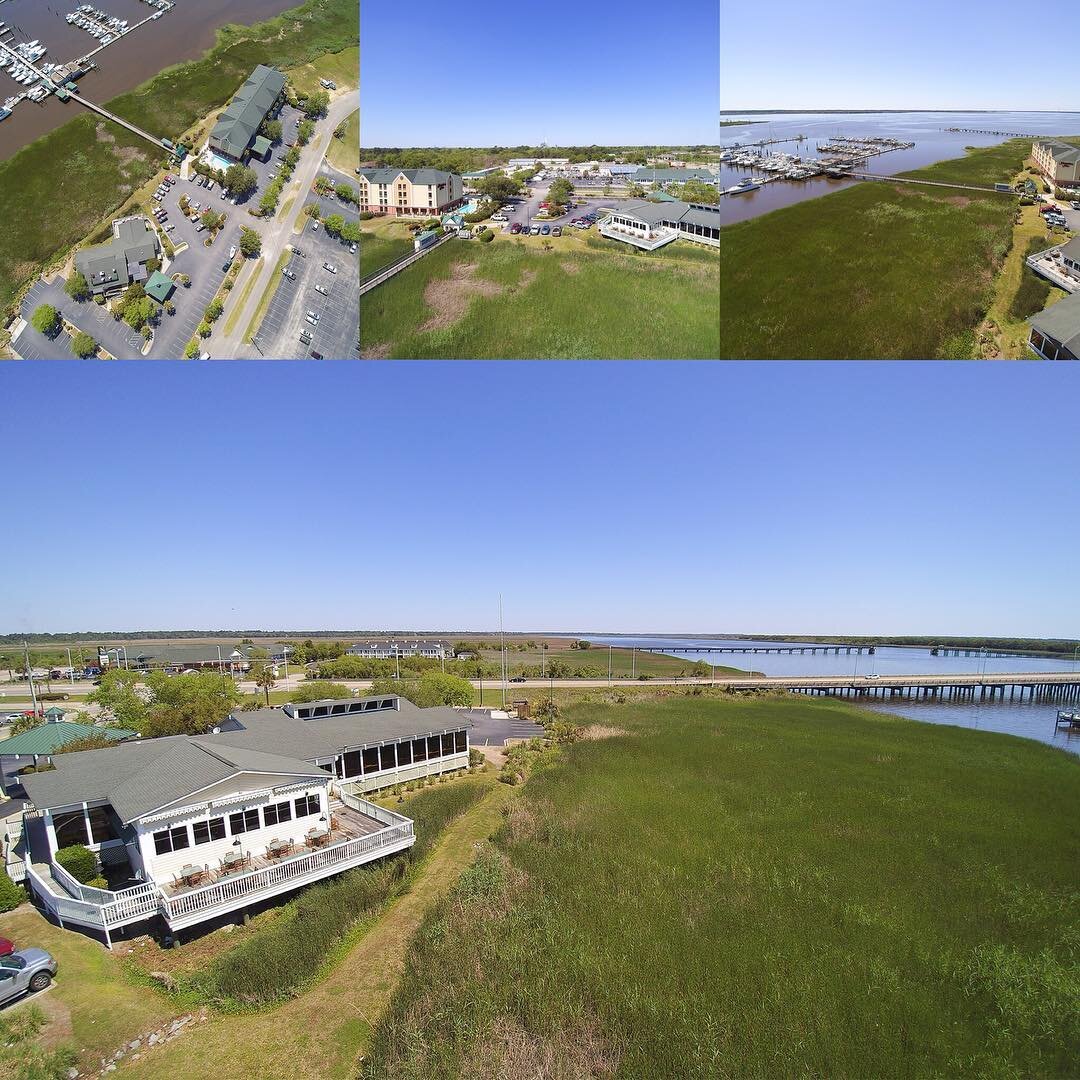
(1006, 134)
(834, 648)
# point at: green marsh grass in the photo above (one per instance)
(756, 888)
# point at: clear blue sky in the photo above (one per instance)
(887, 54)
(634, 73)
(759, 497)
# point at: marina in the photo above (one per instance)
(917, 140)
(74, 38)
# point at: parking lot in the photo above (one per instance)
(335, 333)
(117, 337)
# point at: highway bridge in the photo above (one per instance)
(835, 648)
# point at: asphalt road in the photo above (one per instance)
(278, 234)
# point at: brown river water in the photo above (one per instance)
(184, 33)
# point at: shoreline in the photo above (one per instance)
(110, 165)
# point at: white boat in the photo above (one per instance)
(742, 186)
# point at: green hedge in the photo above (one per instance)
(279, 960)
(79, 861)
(11, 895)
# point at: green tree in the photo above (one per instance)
(560, 191)
(250, 242)
(635, 191)
(264, 679)
(83, 345)
(191, 350)
(698, 191)
(350, 231)
(120, 700)
(319, 690)
(317, 104)
(214, 310)
(210, 219)
(272, 130)
(188, 704)
(304, 131)
(46, 320)
(76, 287)
(96, 740)
(334, 224)
(203, 329)
(499, 187)
(240, 180)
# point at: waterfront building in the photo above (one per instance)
(650, 225)
(115, 265)
(387, 650)
(260, 98)
(1055, 332)
(650, 175)
(1058, 162)
(427, 192)
(192, 828)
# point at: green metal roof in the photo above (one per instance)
(260, 145)
(159, 286)
(49, 737)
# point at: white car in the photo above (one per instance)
(314, 226)
(330, 268)
(323, 290)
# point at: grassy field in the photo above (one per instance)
(89, 166)
(911, 269)
(376, 251)
(624, 662)
(344, 154)
(268, 294)
(759, 888)
(341, 67)
(583, 299)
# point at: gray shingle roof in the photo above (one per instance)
(236, 127)
(116, 262)
(1063, 153)
(1061, 321)
(158, 772)
(138, 777)
(655, 213)
(414, 176)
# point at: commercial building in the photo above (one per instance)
(192, 828)
(427, 192)
(528, 162)
(1058, 162)
(122, 260)
(650, 225)
(260, 98)
(1055, 332)
(178, 657)
(388, 650)
(649, 175)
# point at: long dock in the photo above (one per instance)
(89, 104)
(931, 183)
(836, 649)
(1036, 687)
(1007, 134)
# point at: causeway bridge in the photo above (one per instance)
(834, 648)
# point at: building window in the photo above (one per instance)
(70, 829)
(419, 748)
(307, 805)
(171, 840)
(459, 742)
(101, 826)
(371, 759)
(243, 821)
(388, 756)
(350, 763)
(404, 753)
(205, 831)
(433, 747)
(276, 813)
(447, 743)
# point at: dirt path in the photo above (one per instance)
(320, 1034)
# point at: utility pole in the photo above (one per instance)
(71, 670)
(30, 676)
(633, 663)
(609, 665)
(502, 646)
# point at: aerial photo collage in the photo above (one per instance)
(658, 656)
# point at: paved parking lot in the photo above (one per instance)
(486, 730)
(117, 337)
(336, 332)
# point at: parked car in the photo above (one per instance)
(535, 230)
(305, 338)
(299, 251)
(352, 249)
(232, 252)
(516, 228)
(1075, 205)
(545, 229)
(290, 274)
(314, 225)
(321, 289)
(518, 678)
(312, 315)
(25, 971)
(556, 230)
(6, 947)
(330, 268)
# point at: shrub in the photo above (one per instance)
(11, 895)
(79, 861)
(317, 690)
(97, 882)
(487, 237)
(367, 215)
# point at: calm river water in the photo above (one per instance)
(185, 33)
(932, 143)
(1033, 721)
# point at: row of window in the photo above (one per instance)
(176, 838)
(407, 752)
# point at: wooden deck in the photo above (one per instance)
(348, 824)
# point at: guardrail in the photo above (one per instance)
(387, 272)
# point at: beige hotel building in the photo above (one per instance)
(426, 192)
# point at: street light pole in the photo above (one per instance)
(30, 676)
(609, 665)
(71, 670)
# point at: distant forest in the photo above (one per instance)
(462, 159)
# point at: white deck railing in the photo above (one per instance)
(226, 893)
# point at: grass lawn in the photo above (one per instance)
(238, 303)
(268, 294)
(341, 67)
(580, 300)
(90, 166)
(757, 888)
(911, 269)
(624, 662)
(94, 1005)
(344, 154)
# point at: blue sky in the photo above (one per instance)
(824, 498)
(631, 74)
(885, 54)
